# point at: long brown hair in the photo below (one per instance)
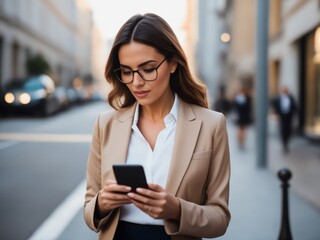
(152, 30)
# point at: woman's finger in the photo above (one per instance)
(117, 188)
(155, 187)
(154, 192)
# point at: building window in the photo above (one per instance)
(14, 62)
(275, 21)
(312, 90)
(1, 59)
(274, 78)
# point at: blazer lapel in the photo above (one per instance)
(121, 132)
(187, 132)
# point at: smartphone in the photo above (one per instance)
(131, 175)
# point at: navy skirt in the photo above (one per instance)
(132, 231)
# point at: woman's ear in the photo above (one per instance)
(173, 67)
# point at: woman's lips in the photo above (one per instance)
(141, 94)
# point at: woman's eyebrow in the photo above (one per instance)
(140, 65)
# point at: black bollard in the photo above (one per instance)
(285, 231)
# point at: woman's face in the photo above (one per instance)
(134, 56)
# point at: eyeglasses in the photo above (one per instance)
(126, 75)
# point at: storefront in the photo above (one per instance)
(309, 113)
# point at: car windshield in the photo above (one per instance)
(33, 84)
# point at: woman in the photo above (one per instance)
(160, 121)
(242, 107)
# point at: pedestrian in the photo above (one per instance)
(243, 115)
(222, 104)
(285, 106)
(161, 121)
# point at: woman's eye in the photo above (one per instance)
(125, 72)
(148, 70)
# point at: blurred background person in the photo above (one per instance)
(243, 115)
(285, 106)
(222, 104)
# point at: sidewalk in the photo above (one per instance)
(303, 160)
(255, 194)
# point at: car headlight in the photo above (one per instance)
(24, 98)
(9, 97)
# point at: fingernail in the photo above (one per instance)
(131, 195)
(128, 188)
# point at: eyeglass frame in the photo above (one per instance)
(137, 71)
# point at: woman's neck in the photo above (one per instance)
(157, 112)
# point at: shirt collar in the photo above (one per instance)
(172, 115)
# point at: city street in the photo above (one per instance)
(259, 61)
(42, 161)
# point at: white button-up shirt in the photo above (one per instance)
(285, 104)
(156, 163)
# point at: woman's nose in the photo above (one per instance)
(137, 79)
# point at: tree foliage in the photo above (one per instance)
(37, 64)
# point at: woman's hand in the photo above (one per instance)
(156, 202)
(111, 196)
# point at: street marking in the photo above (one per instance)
(8, 144)
(61, 217)
(34, 137)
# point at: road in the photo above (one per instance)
(43, 160)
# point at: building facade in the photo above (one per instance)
(294, 43)
(294, 57)
(241, 59)
(59, 30)
(211, 56)
(190, 27)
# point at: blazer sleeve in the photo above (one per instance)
(94, 182)
(211, 218)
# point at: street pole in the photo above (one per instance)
(261, 84)
(285, 230)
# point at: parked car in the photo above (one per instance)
(35, 93)
(62, 96)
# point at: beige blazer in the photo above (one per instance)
(199, 171)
